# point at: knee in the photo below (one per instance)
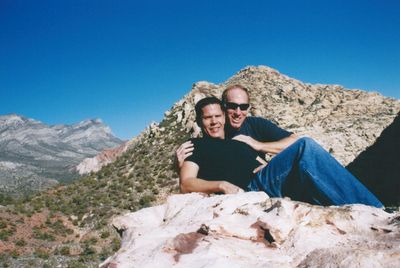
(308, 143)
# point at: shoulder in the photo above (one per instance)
(255, 121)
(205, 140)
(206, 145)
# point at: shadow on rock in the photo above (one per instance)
(378, 167)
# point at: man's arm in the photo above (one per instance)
(189, 182)
(273, 147)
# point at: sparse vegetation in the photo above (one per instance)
(132, 182)
(20, 243)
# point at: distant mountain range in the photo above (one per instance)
(34, 156)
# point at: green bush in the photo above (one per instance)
(14, 254)
(88, 250)
(43, 235)
(76, 264)
(3, 225)
(115, 244)
(65, 251)
(43, 254)
(5, 234)
(20, 243)
(105, 234)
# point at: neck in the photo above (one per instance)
(208, 136)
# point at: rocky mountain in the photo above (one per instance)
(107, 156)
(35, 156)
(345, 122)
(252, 230)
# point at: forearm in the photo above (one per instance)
(276, 146)
(189, 182)
(189, 185)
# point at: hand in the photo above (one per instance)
(229, 188)
(183, 152)
(262, 162)
(249, 141)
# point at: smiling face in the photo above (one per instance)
(236, 116)
(213, 121)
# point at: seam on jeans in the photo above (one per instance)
(321, 182)
(277, 181)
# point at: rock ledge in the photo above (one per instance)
(252, 230)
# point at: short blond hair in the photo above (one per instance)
(225, 93)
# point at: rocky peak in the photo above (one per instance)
(14, 121)
(345, 122)
(45, 153)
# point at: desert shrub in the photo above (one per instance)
(75, 264)
(146, 200)
(5, 234)
(20, 243)
(14, 254)
(155, 191)
(41, 253)
(105, 234)
(38, 234)
(65, 251)
(115, 244)
(139, 188)
(104, 254)
(3, 224)
(88, 250)
(91, 241)
(6, 200)
(59, 228)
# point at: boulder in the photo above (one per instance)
(252, 230)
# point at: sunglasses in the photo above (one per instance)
(234, 106)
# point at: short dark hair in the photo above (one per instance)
(201, 104)
(225, 93)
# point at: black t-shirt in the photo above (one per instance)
(227, 160)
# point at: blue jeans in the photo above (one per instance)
(306, 172)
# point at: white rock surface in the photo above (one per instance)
(251, 230)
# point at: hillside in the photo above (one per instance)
(35, 156)
(344, 121)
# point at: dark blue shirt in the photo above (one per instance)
(259, 129)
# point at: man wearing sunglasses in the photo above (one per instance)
(229, 166)
(261, 134)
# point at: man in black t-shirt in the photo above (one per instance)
(228, 160)
(217, 165)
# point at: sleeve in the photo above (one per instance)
(195, 157)
(266, 130)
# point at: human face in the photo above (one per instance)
(236, 116)
(213, 121)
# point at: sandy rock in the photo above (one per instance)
(251, 230)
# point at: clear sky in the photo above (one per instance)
(127, 62)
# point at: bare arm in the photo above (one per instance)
(189, 182)
(274, 147)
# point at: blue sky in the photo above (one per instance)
(127, 62)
